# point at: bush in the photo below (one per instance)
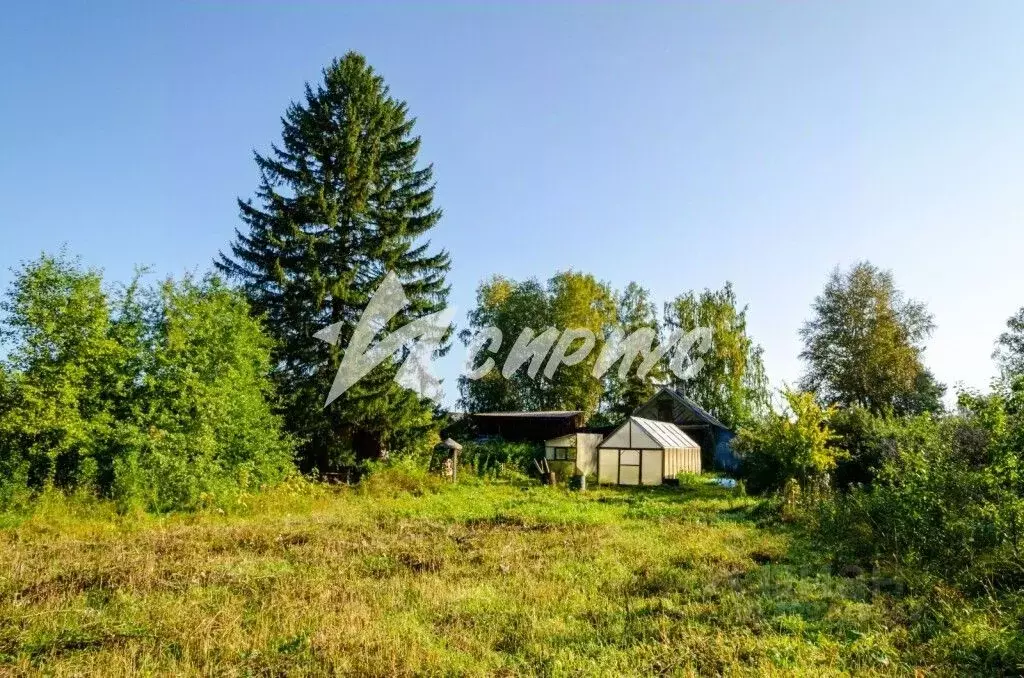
(157, 398)
(396, 476)
(498, 458)
(63, 376)
(208, 416)
(788, 445)
(855, 432)
(933, 506)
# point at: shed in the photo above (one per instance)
(579, 448)
(528, 426)
(646, 452)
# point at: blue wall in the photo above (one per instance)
(725, 458)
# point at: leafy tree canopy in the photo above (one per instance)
(154, 397)
(732, 383)
(569, 301)
(864, 345)
(1009, 353)
(636, 311)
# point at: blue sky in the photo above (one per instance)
(677, 145)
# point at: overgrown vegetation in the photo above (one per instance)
(404, 578)
(154, 519)
(885, 480)
(942, 516)
(499, 459)
(946, 497)
(156, 397)
(792, 445)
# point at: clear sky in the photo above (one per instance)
(677, 145)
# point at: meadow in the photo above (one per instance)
(424, 578)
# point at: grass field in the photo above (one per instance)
(484, 579)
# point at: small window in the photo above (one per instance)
(565, 454)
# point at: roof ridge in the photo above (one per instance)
(526, 413)
(662, 431)
(692, 404)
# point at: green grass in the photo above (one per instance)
(479, 579)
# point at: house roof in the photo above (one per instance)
(665, 434)
(699, 411)
(543, 414)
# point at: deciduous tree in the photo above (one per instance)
(1009, 353)
(571, 301)
(864, 344)
(636, 311)
(157, 398)
(732, 383)
(61, 374)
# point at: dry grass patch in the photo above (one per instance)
(488, 579)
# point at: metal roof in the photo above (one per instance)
(665, 434)
(701, 413)
(546, 413)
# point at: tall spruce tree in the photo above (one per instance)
(341, 202)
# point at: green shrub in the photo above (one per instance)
(211, 429)
(788, 445)
(157, 398)
(939, 503)
(397, 476)
(855, 432)
(498, 458)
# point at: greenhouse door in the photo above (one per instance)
(608, 466)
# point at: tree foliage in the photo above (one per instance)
(152, 397)
(569, 301)
(864, 344)
(62, 369)
(1009, 353)
(341, 202)
(636, 311)
(793, 444)
(579, 301)
(947, 496)
(207, 399)
(732, 383)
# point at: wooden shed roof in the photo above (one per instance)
(529, 415)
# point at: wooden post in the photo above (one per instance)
(455, 448)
